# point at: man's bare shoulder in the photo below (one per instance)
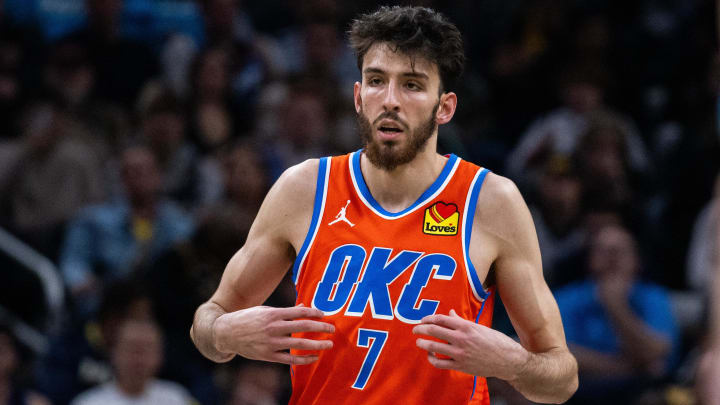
(498, 195)
(288, 207)
(299, 180)
(501, 209)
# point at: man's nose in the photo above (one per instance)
(391, 101)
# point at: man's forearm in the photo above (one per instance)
(202, 334)
(549, 377)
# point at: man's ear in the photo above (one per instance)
(356, 97)
(446, 108)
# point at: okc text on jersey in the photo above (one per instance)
(343, 270)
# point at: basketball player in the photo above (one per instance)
(397, 252)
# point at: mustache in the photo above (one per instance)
(392, 115)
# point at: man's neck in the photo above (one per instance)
(397, 189)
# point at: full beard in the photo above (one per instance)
(388, 155)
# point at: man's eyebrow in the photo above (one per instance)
(373, 70)
(418, 75)
(414, 74)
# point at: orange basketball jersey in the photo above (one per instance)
(375, 275)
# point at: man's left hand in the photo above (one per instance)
(471, 348)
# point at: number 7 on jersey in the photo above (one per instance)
(374, 340)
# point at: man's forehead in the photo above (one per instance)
(386, 57)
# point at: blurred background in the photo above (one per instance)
(139, 137)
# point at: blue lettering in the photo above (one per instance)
(373, 287)
(408, 309)
(348, 257)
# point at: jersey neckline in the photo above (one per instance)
(364, 192)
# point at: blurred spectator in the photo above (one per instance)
(299, 123)
(314, 46)
(163, 128)
(246, 178)
(184, 278)
(259, 383)
(20, 52)
(557, 217)
(528, 43)
(190, 272)
(620, 329)
(227, 26)
(78, 358)
(226, 22)
(52, 175)
(122, 65)
(703, 254)
(114, 240)
(53, 18)
(146, 20)
(212, 123)
(605, 162)
(706, 269)
(229, 31)
(708, 377)
(689, 172)
(592, 42)
(70, 75)
(12, 390)
(136, 357)
(560, 131)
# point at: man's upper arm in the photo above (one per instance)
(503, 218)
(274, 238)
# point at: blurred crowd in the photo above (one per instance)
(139, 137)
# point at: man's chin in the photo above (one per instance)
(390, 146)
(385, 157)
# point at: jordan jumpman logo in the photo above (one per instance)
(341, 216)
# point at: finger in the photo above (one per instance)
(443, 320)
(454, 314)
(435, 331)
(436, 347)
(293, 359)
(303, 344)
(298, 312)
(445, 364)
(304, 325)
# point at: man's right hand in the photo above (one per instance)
(264, 333)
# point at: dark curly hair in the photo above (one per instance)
(414, 31)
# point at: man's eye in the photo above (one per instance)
(375, 81)
(412, 86)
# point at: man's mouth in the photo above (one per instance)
(389, 134)
(390, 129)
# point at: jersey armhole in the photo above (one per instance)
(318, 210)
(469, 215)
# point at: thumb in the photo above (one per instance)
(300, 305)
(453, 313)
